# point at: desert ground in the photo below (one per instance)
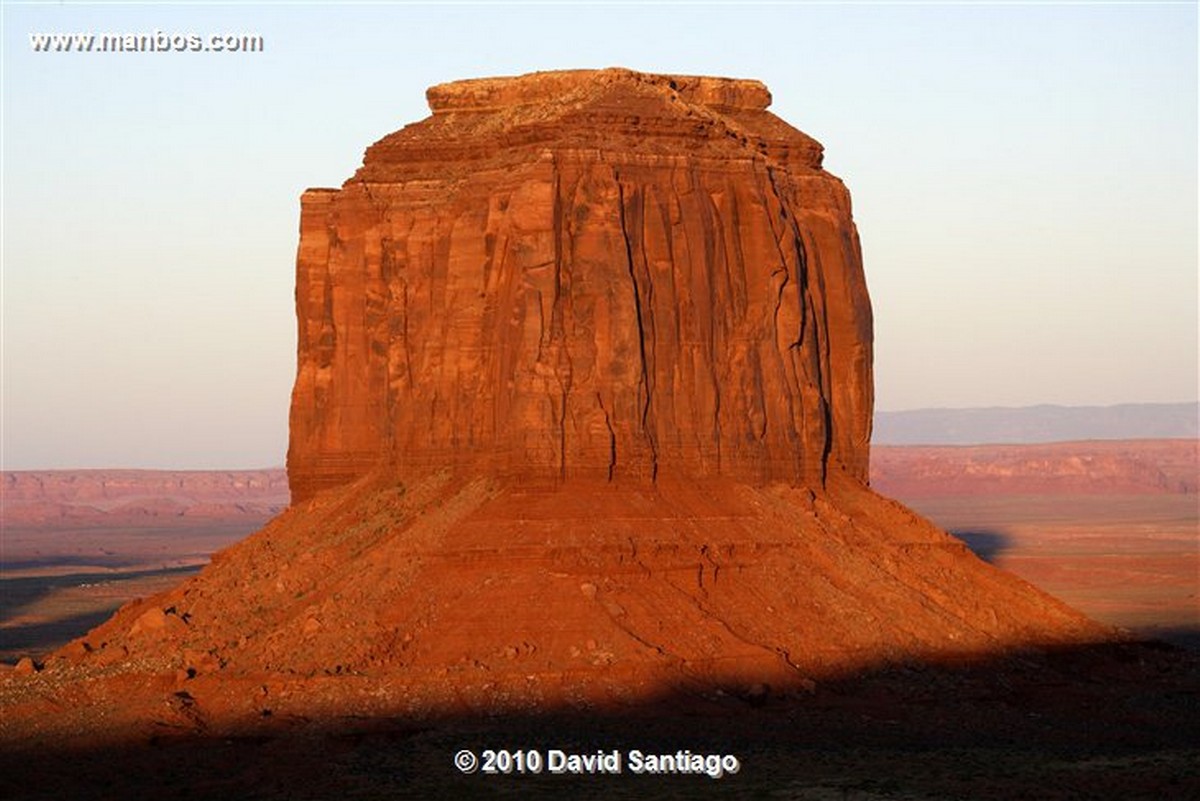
(79, 543)
(1130, 561)
(1111, 528)
(56, 584)
(1119, 721)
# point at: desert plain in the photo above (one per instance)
(1110, 527)
(1115, 538)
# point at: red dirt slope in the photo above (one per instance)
(472, 596)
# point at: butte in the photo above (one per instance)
(581, 417)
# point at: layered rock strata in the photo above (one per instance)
(584, 274)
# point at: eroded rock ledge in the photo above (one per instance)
(490, 94)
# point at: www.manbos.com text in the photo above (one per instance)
(155, 42)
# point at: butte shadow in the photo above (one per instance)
(1084, 721)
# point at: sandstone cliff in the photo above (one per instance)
(581, 416)
(584, 274)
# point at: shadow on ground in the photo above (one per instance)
(1182, 636)
(1105, 721)
(38, 638)
(20, 592)
(985, 543)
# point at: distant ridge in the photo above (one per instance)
(1031, 424)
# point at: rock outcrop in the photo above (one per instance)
(584, 274)
(581, 416)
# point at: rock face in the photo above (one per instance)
(581, 417)
(584, 274)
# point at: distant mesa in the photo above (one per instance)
(1037, 424)
(80, 498)
(582, 415)
(1101, 467)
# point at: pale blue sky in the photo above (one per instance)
(1024, 179)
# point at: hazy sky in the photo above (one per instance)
(1024, 180)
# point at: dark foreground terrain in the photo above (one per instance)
(1114, 721)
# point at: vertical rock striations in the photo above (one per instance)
(599, 346)
(584, 274)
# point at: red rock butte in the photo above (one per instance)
(584, 274)
(581, 415)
